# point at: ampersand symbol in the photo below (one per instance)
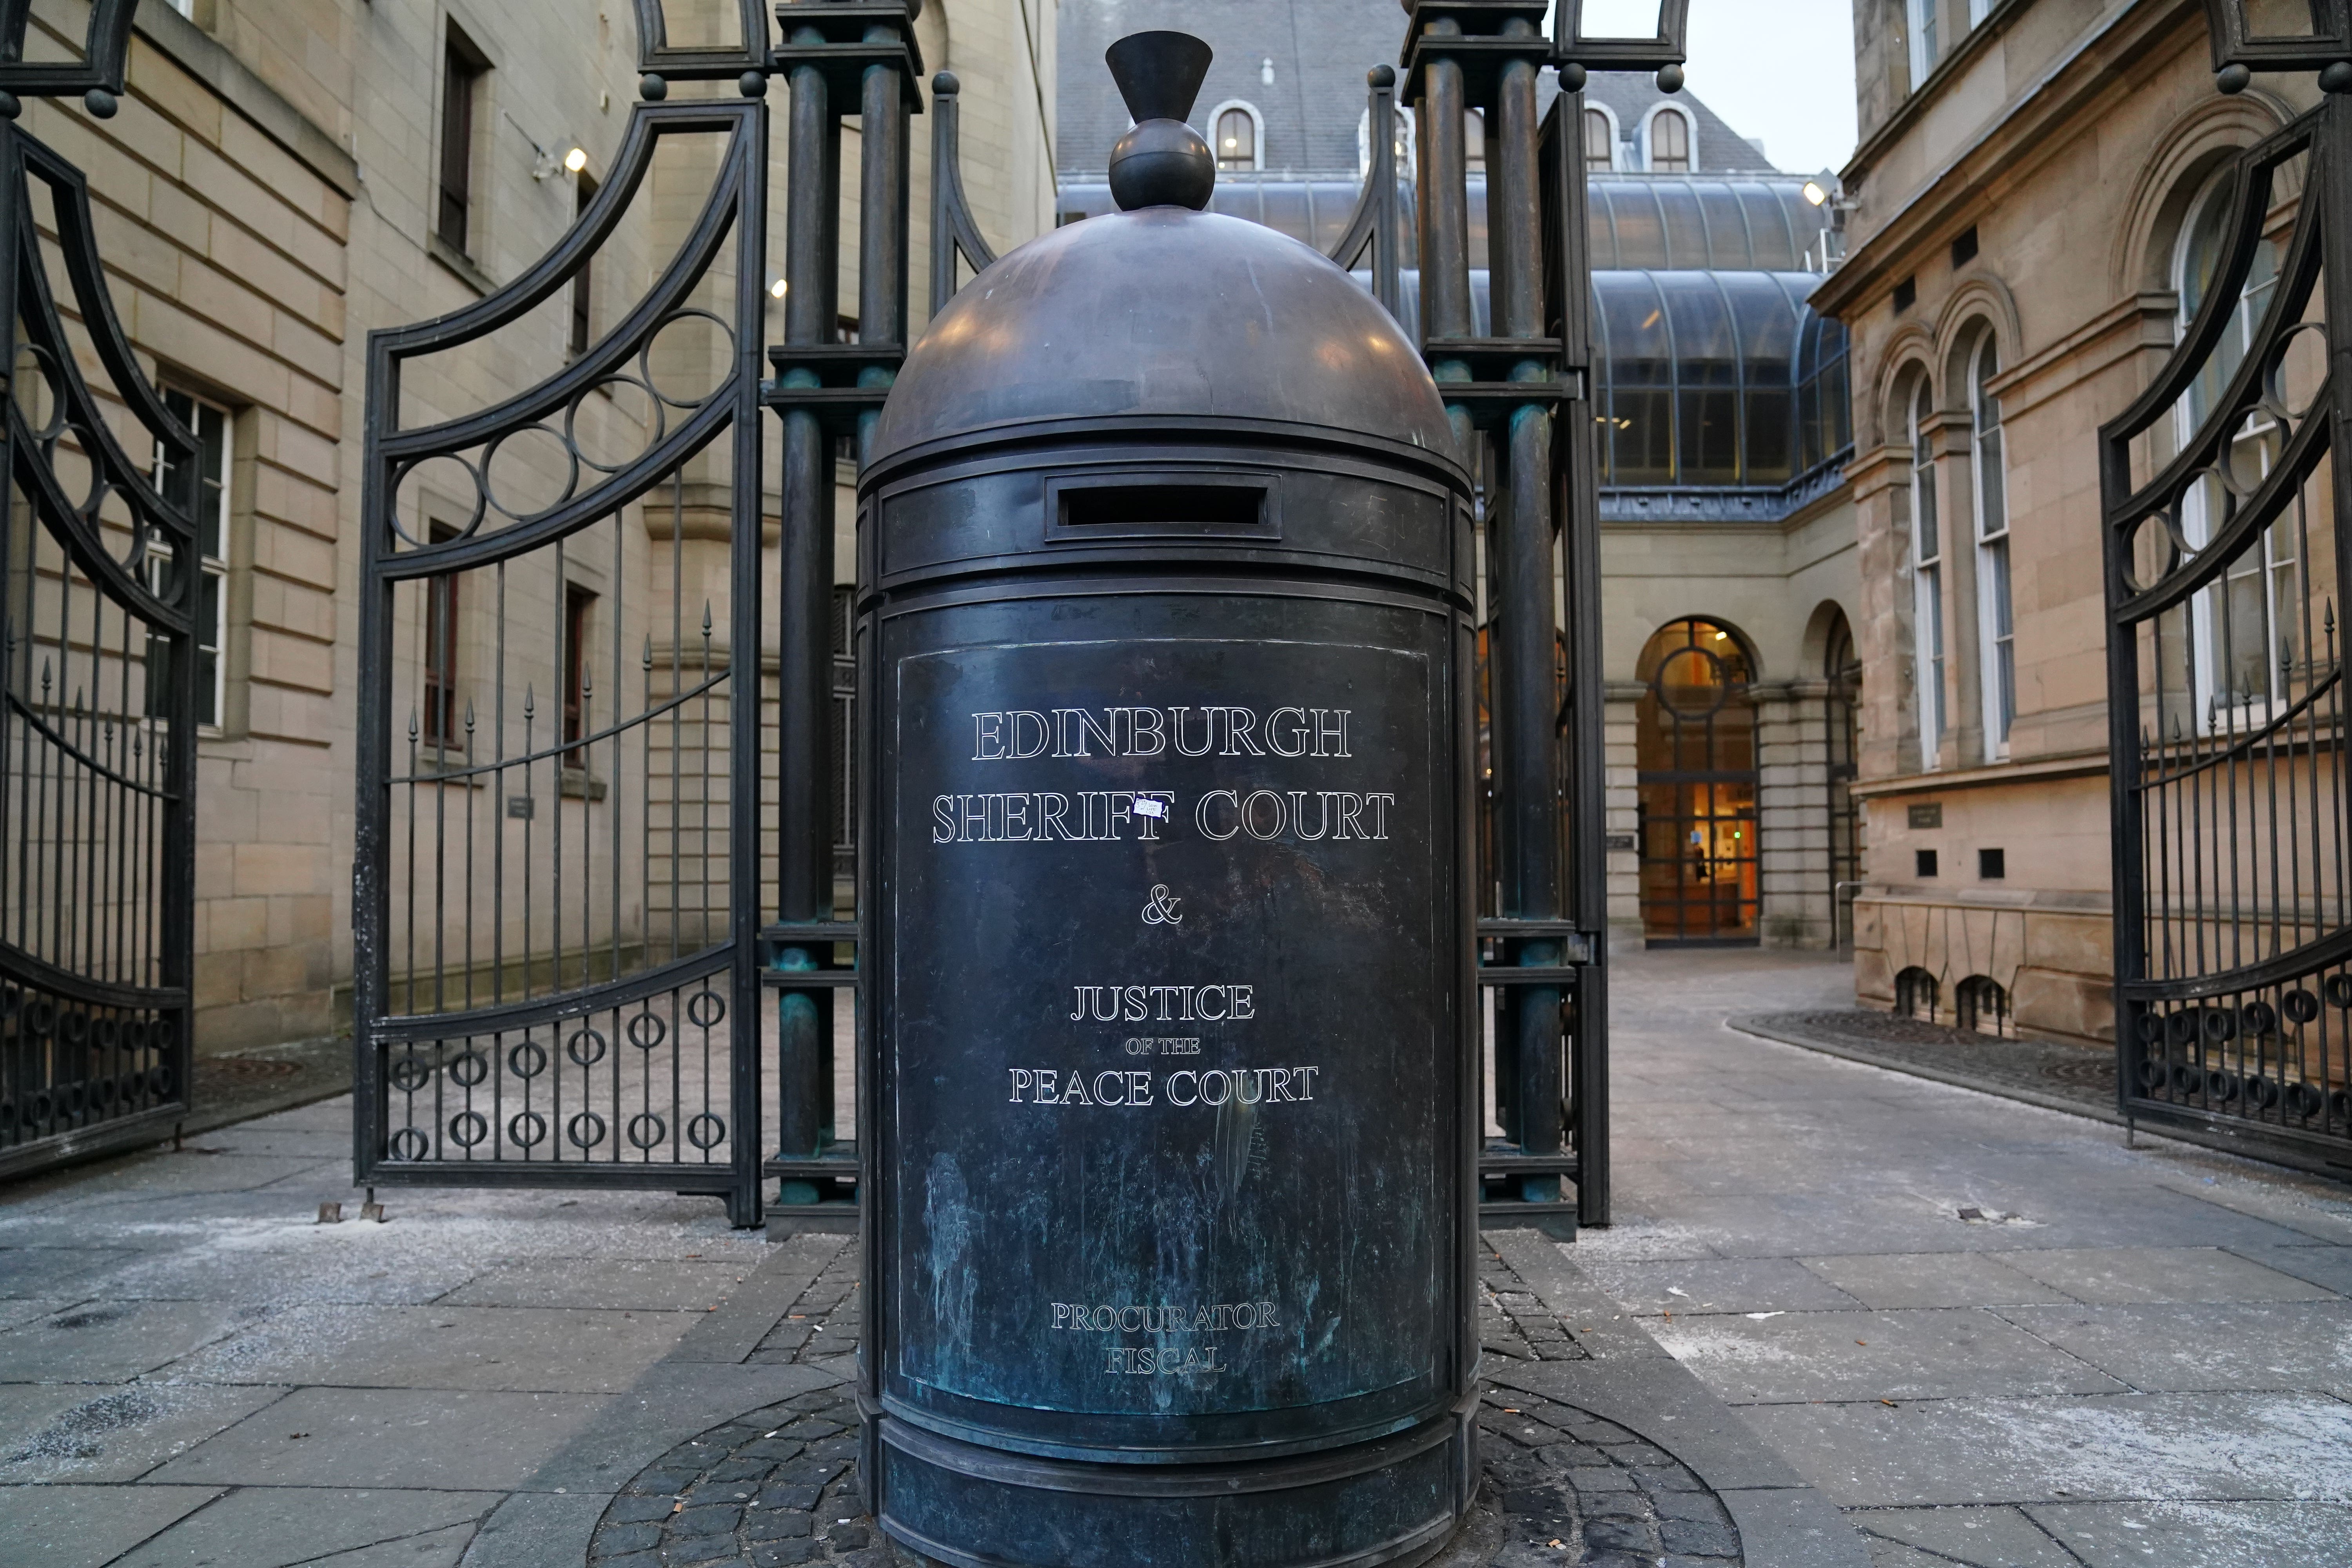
(1162, 910)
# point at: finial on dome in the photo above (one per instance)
(1162, 161)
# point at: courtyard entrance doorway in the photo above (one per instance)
(1695, 752)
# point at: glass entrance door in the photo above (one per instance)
(1696, 760)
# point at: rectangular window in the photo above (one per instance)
(1979, 9)
(441, 716)
(201, 487)
(1996, 621)
(579, 605)
(1924, 53)
(582, 326)
(462, 68)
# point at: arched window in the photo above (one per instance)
(1695, 753)
(1473, 139)
(1996, 623)
(1915, 994)
(1236, 140)
(1840, 716)
(1926, 577)
(2245, 643)
(1600, 142)
(1670, 142)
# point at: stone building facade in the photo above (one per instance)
(284, 176)
(1728, 548)
(2031, 185)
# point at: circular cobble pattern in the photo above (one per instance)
(773, 1488)
(1564, 1490)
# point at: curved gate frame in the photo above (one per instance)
(2232, 934)
(736, 211)
(96, 1037)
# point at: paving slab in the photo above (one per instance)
(640, 1285)
(54, 1270)
(2208, 1535)
(549, 1348)
(1928, 1354)
(432, 1438)
(85, 1432)
(2188, 1347)
(2115, 1275)
(1931, 1280)
(1979, 1537)
(2148, 1447)
(83, 1526)
(272, 1527)
(537, 1530)
(108, 1341)
(1718, 1285)
(433, 1549)
(2325, 1265)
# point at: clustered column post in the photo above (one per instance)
(812, 269)
(837, 58)
(1525, 561)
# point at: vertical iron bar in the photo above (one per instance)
(804, 861)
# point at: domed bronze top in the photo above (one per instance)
(1203, 326)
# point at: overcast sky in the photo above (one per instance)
(1780, 70)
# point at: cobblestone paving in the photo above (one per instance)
(1563, 1489)
(2072, 1074)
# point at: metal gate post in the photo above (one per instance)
(1501, 390)
(835, 56)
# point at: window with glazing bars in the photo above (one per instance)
(1997, 631)
(1923, 54)
(462, 68)
(1670, 142)
(1600, 142)
(582, 298)
(1926, 579)
(202, 487)
(440, 705)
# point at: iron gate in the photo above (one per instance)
(561, 713)
(101, 592)
(601, 804)
(2228, 536)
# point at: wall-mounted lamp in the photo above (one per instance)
(549, 164)
(778, 289)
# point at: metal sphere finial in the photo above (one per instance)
(1670, 78)
(653, 88)
(2234, 78)
(753, 84)
(1162, 161)
(2336, 77)
(99, 102)
(1571, 77)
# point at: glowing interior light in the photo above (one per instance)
(576, 160)
(778, 287)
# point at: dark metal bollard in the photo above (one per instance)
(1171, 1114)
